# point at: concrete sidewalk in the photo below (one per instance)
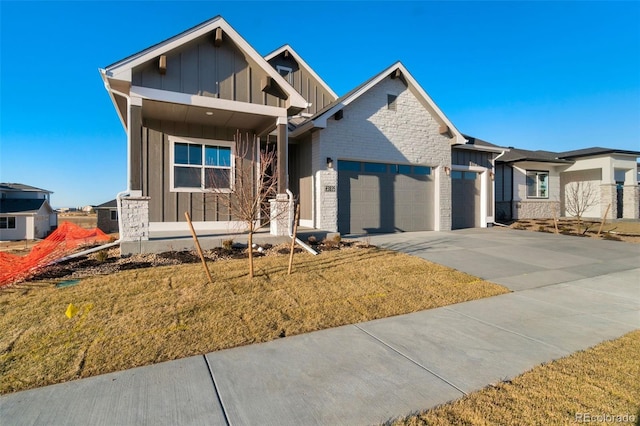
(376, 371)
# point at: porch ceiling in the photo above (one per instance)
(205, 116)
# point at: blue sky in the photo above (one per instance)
(536, 75)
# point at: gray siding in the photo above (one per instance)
(200, 68)
(300, 176)
(167, 206)
(463, 157)
(305, 84)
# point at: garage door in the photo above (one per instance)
(383, 197)
(465, 199)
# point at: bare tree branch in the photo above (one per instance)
(251, 187)
(580, 197)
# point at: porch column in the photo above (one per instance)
(283, 155)
(280, 215)
(134, 136)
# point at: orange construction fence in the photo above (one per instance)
(66, 239)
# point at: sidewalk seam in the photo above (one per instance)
(506, 329)
(215, 388)
(411, 360)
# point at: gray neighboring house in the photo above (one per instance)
(107, 216)
(534, 184)
(25, 212)
(380, 158)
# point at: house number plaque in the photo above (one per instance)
(330, 188)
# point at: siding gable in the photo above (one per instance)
(200, 68)
(304, 82)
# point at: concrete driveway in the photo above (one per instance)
(572, 294)
(518, 260)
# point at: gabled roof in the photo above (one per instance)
(588, 152)
(300, 61)
(20, 187)
(319, 119)
(122, 70)
(515, 155)
(108, 205)
(26, 205)
(14, 187)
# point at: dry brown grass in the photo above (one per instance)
(626, 231)
(600, 381)
(140, 317)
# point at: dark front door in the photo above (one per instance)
(620, 198)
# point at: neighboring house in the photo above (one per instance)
(536, 184)
(108, 217)
(377, 159)
(25, 213)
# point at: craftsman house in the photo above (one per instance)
(25, 213)
(380, 158)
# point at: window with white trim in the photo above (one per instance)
(8, 222)
(537, 184)
(198, 165)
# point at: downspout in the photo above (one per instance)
(494, 186)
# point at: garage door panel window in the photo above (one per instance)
(370, 167)
(537, 184)
(421, 170)
(348, 166)
(375, 168)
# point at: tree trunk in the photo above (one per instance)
(250, 247)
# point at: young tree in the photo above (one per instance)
(253, 184)
(579, 197)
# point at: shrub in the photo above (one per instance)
(227, 245)
(102, 256)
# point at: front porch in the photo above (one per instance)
(164, 241)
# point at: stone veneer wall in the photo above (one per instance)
(535, 209)
(609, 195)
(630, 200)
(134, 218)
(369, 131)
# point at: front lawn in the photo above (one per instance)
(144, 316)
(598, 386)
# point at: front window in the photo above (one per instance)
(200, 166)
(7, 222)
(537, 184)
(114, 215)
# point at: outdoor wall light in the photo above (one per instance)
(330, 162)
(492, 175)
(447, 170)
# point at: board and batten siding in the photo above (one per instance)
(200, 68)
(463, 157)
(164, 204)
(300, 176)
(304, 83)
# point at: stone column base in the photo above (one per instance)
(134, 218)
(281, 215)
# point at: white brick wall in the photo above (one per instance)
(371, 132)
(134, 218)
